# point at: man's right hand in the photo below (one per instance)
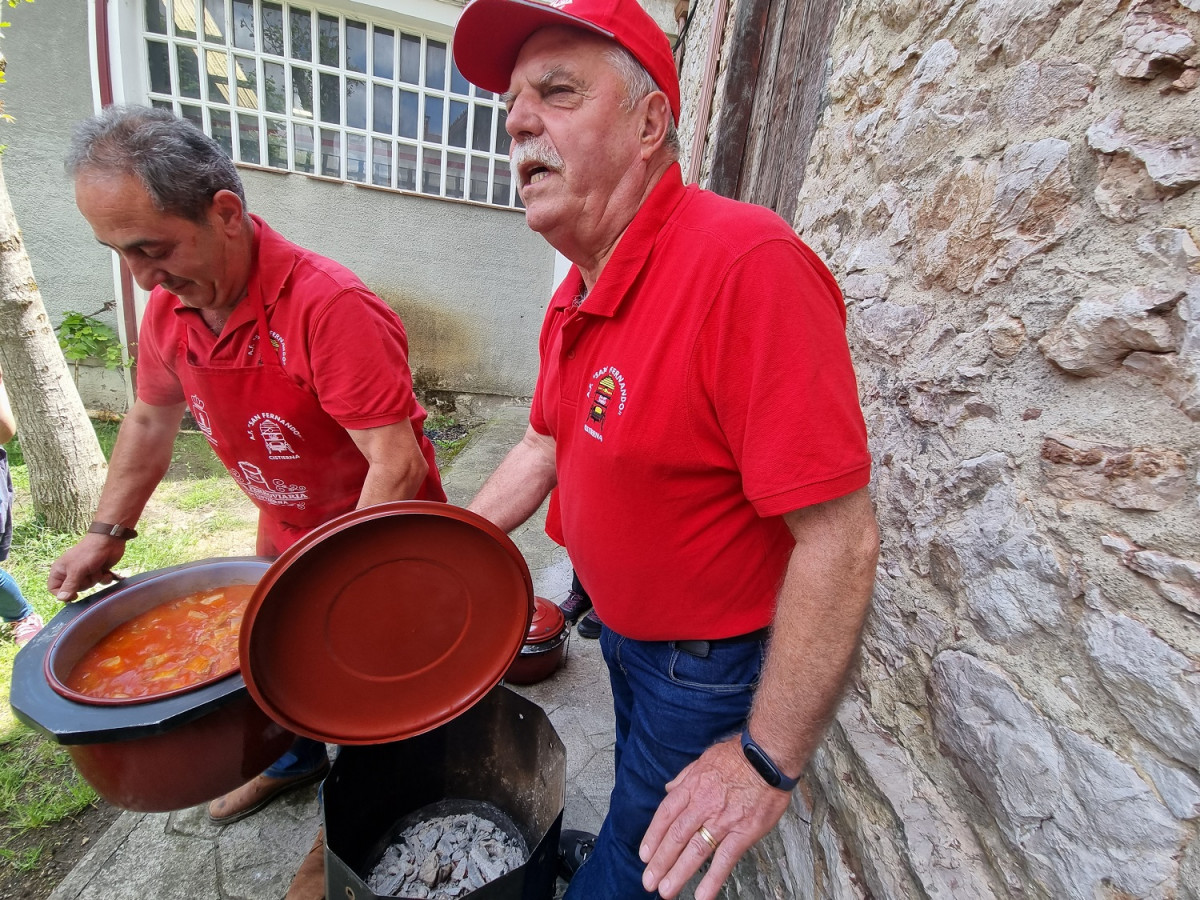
(87, 563)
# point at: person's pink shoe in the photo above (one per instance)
(26, 629)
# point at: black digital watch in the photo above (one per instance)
(764, 765)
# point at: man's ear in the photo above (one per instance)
(229, 209)
(655, 121)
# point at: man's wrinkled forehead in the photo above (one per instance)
(560, 50)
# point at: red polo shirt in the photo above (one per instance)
(334, 337)
(701, 390)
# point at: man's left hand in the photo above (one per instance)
(723, 794)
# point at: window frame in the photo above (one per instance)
(458, 172)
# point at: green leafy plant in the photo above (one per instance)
(82, 337)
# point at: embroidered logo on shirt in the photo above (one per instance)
(607, 385)
(277, 492)
(269, 428)
(276, 341)
(200, 414)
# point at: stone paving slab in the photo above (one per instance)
(181, 856)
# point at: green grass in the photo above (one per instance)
(448, 435)
(196, 512)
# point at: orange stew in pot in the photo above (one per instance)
(172, 646)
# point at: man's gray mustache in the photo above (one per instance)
(535, 150)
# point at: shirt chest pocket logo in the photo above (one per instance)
(607, 395)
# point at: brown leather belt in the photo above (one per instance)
(701, 648)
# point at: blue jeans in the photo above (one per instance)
(670, 707)
(304, 756)
(13, 605)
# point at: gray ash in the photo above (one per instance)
(448, 856)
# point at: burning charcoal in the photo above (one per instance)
(429, 870)
(445, 857)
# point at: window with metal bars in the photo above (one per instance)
(295, 88)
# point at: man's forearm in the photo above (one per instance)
(400, 481)
(822, 605)
(520, 483)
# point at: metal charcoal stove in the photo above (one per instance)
(503, 751)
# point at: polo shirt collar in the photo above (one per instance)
(274, 259)
(634, 248)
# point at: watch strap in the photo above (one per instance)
(764, 765)
(120, 532)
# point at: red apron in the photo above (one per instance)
(293, 460)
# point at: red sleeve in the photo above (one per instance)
(776, 366)
(157, 383)
(358, 357)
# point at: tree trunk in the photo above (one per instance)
(66, 465)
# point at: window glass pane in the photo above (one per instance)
(381, 162)
(435, 65)
(217, 68)
(331, 153)
(406, 167)
(503, 141)
(433, 119)
(356, 103)
(456, 134)
(458, 84)
(193, 114)
(277, 154)
(385, 53)
(479, 178)
(431, 172)
(303, 157)
(248, 139)
(409, 107)
(331, 98)
(272, 28)
(156, 16)
(185, 18)
(482, 94)
(381, 112)
(162, 104)
(160, 67)
(456, 172)
(214, 21)
(300, 22)
(356, 157)
(302, 92)
(481, 133)
(243, 24)
(188, 71)
(222, 132)
(356, 46)
(501, 184)
(247, 82)
(329, 44)
(410, 58)
(274, 89)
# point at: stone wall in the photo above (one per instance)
(1005, 190)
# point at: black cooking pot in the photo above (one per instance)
(156, 754)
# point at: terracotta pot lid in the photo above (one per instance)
(547, 623)
(385, 622)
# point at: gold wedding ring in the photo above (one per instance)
(706, 836)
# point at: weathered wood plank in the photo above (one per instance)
(737, 102)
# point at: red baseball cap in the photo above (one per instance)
(490, 34)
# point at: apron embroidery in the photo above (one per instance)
(298, 480)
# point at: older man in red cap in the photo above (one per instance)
(696, 424)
